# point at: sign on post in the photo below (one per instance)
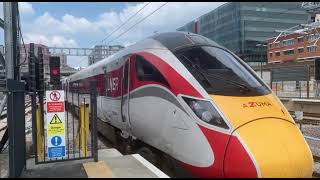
(55, 124)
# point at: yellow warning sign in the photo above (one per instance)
(56, 127)
(55, 120)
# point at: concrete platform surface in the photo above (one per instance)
(128, 166)
(67, 169)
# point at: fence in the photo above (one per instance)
(296, 89)
(294, 82)
(80, 127)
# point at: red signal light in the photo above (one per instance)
(55, 71)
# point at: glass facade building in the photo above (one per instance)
(240, 26)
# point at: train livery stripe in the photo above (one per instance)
(237, 162)
(231, 158)
(178, 84)
(158, 92)
(218, 142)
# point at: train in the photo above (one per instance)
(194, 108)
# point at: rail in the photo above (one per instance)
(4, 114)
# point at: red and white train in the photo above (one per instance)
(182, 98)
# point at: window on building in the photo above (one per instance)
(270, 54)
(288, 52)
(300, 39)
(312, 48)
(147, 72)
(300, 50)
(277, 44)
(270, 45)
(277, 53)
(312, 37)
(288, 42)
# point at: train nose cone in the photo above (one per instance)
(275, 148)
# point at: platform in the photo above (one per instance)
(305, 105)
(111, 160)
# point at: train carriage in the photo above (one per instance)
(183, 96)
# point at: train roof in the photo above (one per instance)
(172, 41)
(177, 40)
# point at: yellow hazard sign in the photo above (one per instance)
(56, 127)
(55, 120)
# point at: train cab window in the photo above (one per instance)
(147, 72)
(220, 72)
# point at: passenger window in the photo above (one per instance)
(147, 72)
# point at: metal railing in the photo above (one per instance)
(80, 128)
(295, 89)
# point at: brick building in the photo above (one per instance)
(295, 47)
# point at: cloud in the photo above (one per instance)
(77, 61)
(74, 31)
(25, 8)
(68, 25)
(56, 40)
(168, 18)
(64, 32)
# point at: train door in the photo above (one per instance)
(111, 102)
(125, 94)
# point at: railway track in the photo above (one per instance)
(4, 113)
(316, 159)
(3, 116)
(309, 118)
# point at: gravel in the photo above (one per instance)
(313, 131)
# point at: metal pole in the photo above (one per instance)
(8, 34)
(93, 102)
(300, 88)
(33, 99)
(308, 89)
(12, 41)
(261, 63)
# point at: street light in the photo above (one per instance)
(261, 45)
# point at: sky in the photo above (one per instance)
(85, 24)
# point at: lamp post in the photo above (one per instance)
(261, 45)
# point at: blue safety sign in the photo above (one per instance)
(56, 140)
(56, 152)
(56, 147)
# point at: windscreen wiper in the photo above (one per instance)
(199, 72)
(242, 86)
(202, 72)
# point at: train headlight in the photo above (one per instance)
(206, 112)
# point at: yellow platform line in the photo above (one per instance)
(98, 170)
